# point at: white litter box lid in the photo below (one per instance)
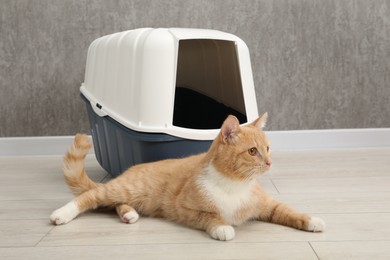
(131, 77)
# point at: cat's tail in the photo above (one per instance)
(74, 172)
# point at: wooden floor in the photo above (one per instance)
(349, 189)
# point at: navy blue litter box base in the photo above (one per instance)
(118, 147)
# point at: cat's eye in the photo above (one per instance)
(252, 151)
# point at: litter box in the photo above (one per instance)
(154, 94)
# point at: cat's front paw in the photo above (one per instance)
(223, 233)
(316, 225)
(130, 217)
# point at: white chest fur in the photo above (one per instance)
(228, 195)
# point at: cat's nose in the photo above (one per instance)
(268, 163)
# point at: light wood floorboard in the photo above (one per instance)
(349, 189)
(356, 250)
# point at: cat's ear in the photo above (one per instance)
(229, 129)
(261, 121)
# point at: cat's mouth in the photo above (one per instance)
(262, 167)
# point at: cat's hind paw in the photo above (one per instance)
(65, 214)
(130, 217)
(316, 225)
(223, 233)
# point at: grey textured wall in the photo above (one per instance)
(317, 63)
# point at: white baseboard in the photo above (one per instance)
(329, 139)
(24, 146)
(280, 140)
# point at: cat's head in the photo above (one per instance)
(242, 152)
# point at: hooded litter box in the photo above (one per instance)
(153, 94)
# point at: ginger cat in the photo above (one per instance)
(212, 191)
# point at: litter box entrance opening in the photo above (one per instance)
(208, 84)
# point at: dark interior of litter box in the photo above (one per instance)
(208, 84)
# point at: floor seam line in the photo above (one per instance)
(314, 251)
